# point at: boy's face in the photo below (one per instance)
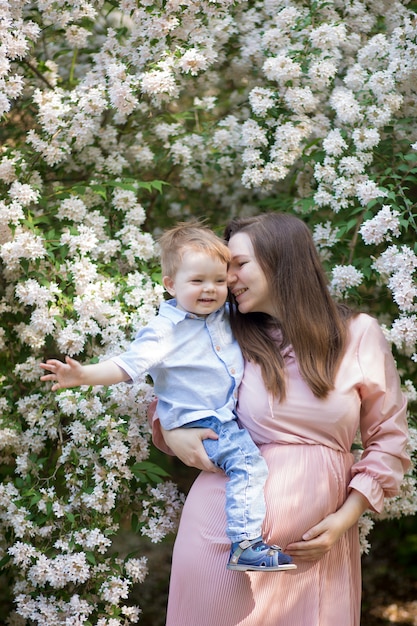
(200, 284)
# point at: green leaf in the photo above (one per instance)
(100, 190)
(5, 560)
(91, 558)
(35, 499)
(153, 184)
(147, 470)
(129, 185)
(134, 522)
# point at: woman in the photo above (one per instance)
(315, 373)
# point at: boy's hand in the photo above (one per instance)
(68, 374)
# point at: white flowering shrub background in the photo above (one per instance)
(118, 118)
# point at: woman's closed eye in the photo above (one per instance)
(237, 265)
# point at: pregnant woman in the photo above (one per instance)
(315, 374)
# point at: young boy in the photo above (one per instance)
(196, 366)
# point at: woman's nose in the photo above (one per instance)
(231, 277)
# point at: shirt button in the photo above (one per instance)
(218, 348)
(233, 371)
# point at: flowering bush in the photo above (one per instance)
(120, 117)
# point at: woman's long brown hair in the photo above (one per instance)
(306, 316)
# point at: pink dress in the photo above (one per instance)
(306, 443)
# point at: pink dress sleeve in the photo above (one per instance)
(383, 422)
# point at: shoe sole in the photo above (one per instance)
(254, 568)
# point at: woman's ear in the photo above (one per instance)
(169, 285)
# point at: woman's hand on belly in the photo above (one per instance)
(317, 540)
(320, 538)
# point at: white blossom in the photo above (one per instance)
(261, 100)
(82, 243)
(137, 569)
(193, 62)
(328, 36)
(368, 190)
(23, 193)
(33, 293)
(410, 390)
(25, 245)
(253, 135)
(344, 277)
(23, 553)
(351, 165)
(324, 235)
(347, 108)
(159, 83)
(334, 144)
(301, 99)
(403, 333)
(72, 208)
(281, 69)
(91, 539)
(365, 138)
(114, 589)
(322, 72)
(376, 229)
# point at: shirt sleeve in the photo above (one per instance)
(147, 350)
(383, 422)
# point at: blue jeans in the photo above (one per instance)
(236, 453)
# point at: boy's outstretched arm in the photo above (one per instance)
(73, 374)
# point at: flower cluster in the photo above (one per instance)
(63, 524)
(118, 119)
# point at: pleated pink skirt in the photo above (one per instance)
(306, 483)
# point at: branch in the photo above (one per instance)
(38, 73)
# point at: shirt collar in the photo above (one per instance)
(169, 309)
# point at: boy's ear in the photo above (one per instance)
(168, 283)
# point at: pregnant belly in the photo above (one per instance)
(305, 483)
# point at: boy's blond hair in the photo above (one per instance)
(192, 235)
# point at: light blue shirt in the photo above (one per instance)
(195, 363)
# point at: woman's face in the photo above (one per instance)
(246, 279)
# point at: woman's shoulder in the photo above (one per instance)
(364, 326)
(362, 321)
